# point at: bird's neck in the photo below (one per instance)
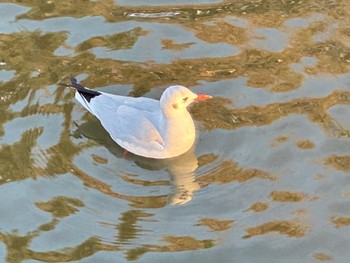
(178, 130)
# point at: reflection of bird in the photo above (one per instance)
(143, 126)
(181, 168)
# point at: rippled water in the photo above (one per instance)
(268, 179)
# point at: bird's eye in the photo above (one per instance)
(185, 99)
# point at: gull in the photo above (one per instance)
(143, 126)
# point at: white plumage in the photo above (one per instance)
(146, 127)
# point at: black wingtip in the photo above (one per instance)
(76, 84)
(88, 94)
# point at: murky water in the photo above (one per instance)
(268, 179)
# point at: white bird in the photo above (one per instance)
(143, 126)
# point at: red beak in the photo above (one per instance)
(203, 97)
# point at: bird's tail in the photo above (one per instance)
(80, 88)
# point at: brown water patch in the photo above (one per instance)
(288, 196)
(279, 140)
(16, 159)
(346, 194)
(206, 159)
(322, 257)
(229, 171)
(175, 243)
(215, 224)
(18, 251)
(124, 40)
(48, 9)
(169, 44)
(306, 144)
(180, 243)
(220, 32)
(84, 250)
(61, 206)
(259, 207)
(291, 228)
(49, 226)
(130, 179)
(341, 163)
(340, 221)
(128, 228)
(99, 159)
(334, 55)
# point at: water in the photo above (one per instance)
(268, 179)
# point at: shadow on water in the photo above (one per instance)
(267, 178)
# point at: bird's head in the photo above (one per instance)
(177, 98)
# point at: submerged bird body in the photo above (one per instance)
(146, 127)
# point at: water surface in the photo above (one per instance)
(268, 178)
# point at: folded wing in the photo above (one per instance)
(131, 123)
